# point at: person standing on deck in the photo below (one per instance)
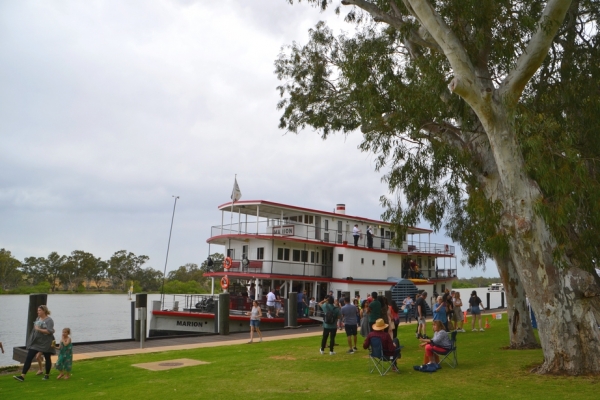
(369, 237)
(271, 299)
(301, 300)
(356, 234)
(278, 301)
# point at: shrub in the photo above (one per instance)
(178, 287)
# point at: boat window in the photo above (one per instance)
(326, 224)
(231, 253)
(295, 255)
(308, 219)
(283, 254)
(384, 263)
(362, 260)
(340, 257)
(304, 256)
(372, 262)
(312, 256)
(260, 253)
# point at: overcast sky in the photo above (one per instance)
(109, 108)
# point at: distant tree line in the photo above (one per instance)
(82, 271)
(475, 282)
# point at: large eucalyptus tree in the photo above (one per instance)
(486, 114)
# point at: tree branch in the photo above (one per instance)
(465, 81)
(537, 49)
(380, 16)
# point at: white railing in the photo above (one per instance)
(310, 232)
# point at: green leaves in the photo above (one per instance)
(432, 145)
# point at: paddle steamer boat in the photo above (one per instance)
(295, 249)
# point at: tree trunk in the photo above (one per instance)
(566, 300)
(520, 330)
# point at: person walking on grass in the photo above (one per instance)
(40, 340)
(476, 307)
(65, 355)
(458, 314)
(39, 357)
(330, 315)
(349, 312)
(255, 315)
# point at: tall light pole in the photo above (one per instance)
(162, 290)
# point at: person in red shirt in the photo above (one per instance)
(390, 348)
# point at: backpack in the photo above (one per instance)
(329, 318)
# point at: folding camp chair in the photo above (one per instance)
(449, 356)
(380, 362)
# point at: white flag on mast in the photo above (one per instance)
(235, 193)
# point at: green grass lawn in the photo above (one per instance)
(294, 369)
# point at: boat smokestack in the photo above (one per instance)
(340, 209)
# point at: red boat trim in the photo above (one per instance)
(198, 315)
(247, 275)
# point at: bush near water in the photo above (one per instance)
(82, 272)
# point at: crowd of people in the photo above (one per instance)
(377, 317)
(373, 317)
(41, 346)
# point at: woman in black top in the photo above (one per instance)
(476, 308)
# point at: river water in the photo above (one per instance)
(90, 316)
(94, 317)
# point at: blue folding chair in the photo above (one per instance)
(449, 357)
(380, 362)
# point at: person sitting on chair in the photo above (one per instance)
(390, 348)
(440, 344)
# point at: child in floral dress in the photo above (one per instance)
(65, 355)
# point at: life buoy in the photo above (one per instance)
(227, 263)
(224, 282)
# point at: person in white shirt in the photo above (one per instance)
(356, 234)
(271, 299)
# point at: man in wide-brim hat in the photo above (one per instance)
(390, 348)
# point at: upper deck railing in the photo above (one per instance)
(292, 229)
